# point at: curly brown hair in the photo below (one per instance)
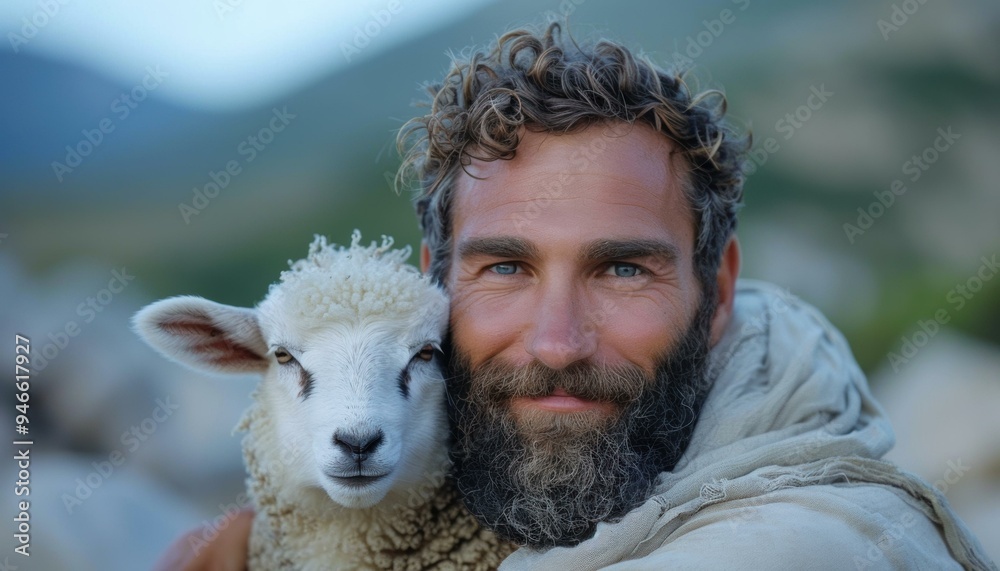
(543, 82)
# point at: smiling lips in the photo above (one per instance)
(562, 402)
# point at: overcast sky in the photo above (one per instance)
(219, 53)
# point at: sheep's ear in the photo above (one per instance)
(203, 334)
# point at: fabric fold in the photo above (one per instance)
(789, 409)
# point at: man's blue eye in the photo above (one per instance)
(505, 269)
(626, 270)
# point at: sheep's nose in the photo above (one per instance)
(359, 445)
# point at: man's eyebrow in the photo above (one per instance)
(630, 249)
(497, 247)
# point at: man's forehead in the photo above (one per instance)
(625, 174)
(578, 152)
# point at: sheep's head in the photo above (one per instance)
(348, 341)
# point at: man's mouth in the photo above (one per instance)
(560, 401)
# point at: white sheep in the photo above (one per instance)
(346, 443)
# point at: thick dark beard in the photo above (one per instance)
(548, 481)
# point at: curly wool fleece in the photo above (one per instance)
(337, 283)
(426, 527)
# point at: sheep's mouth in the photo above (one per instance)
(356, 481)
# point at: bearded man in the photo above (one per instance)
(617, 399)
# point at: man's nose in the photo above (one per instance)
(562, 331)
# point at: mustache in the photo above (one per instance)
(498, 381)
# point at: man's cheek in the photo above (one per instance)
(639, 341)
(482, 335)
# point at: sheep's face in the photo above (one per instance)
(353, 382)
(369, 395)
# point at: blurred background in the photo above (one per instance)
(193, 147)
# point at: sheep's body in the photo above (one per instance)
(347, 458)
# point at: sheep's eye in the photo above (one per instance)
(426, 353)
(282, 355)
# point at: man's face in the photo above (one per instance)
(578, 249)
(578, 329)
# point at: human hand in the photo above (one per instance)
(226, 552)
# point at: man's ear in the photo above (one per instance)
(425, 257)
(729, 270)
(204, 335)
